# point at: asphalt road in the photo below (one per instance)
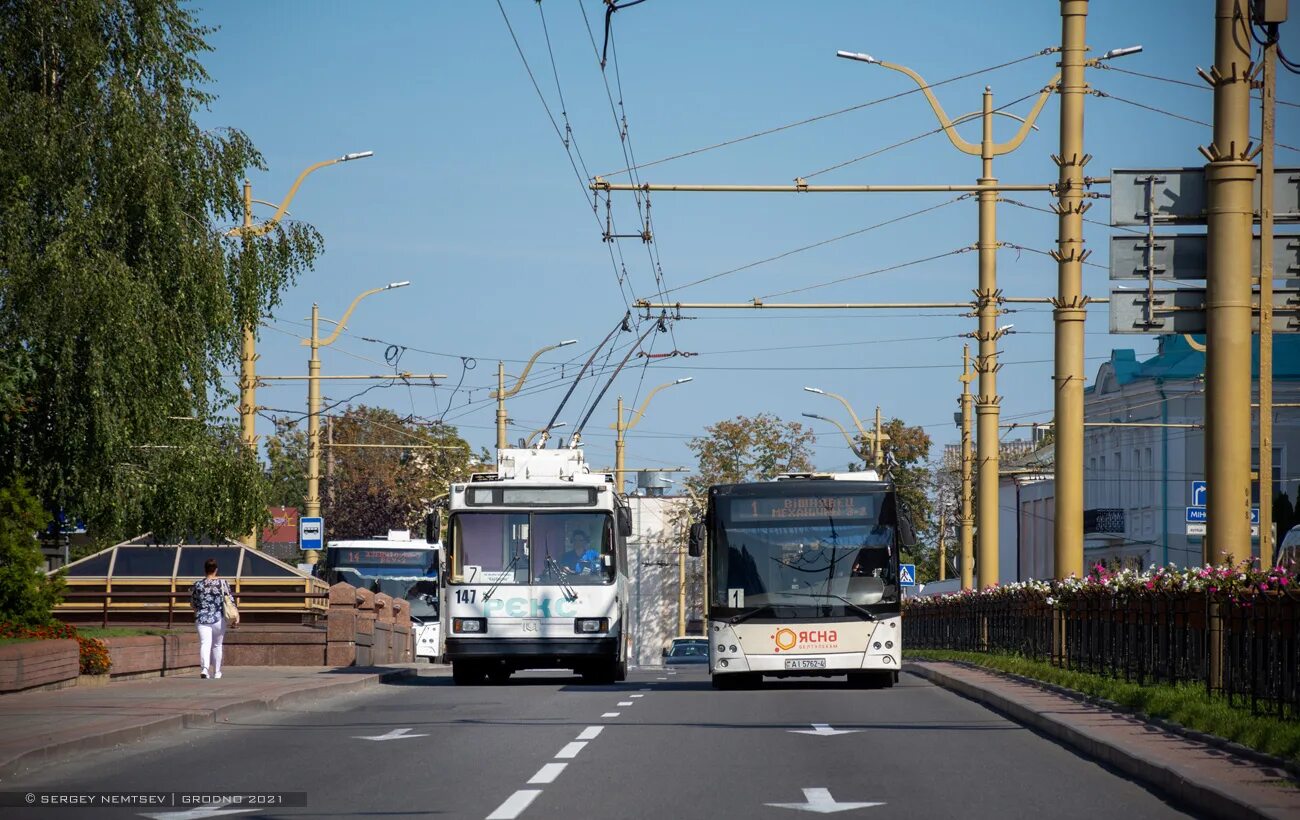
(662, 745)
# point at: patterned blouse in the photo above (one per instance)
(206, 597)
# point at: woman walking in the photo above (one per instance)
(208, 598)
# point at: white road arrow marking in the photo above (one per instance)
(195, 814)
(396, 734)
(821, 802)
(824, 730)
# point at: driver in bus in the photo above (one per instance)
(579, 557)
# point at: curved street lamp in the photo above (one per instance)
(621, 427)
(248, 346)
(313, 398)
(501, 393)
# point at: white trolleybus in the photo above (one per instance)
(803, 579)
(537, 570)
(402, 569)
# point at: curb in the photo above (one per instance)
(26, 762)
(1202, 798)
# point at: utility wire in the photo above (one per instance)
(1152, 108)
(830, 114)
(1199, 86)
(843, 279)
(858, 232)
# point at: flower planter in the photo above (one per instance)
(37, 663)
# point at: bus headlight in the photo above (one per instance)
(478, 625)
(590, 625)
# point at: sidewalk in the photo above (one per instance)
(1207, 779)
(41, 728)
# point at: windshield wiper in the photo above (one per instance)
(570, 593)
(862, 610)
(509, 570)
(745, 616)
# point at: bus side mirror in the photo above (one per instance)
(432, 528)
(624, 516)
(906, 535)
(695, 544)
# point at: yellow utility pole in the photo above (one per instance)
(1268, 110)
(1071, 306)
(1229, 181)
(248, 345)
(313, 401)
(943, 557)
(501, 393)
(620, 428)
(965, 534)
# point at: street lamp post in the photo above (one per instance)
(853, 445)
(988, 298)
(248, 346)
(621, 427)
(875, 439)
(313, 400)
(501, 393)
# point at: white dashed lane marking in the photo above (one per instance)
(636, 696)
(547, 773)
(591, 733)
(514, 805)
(570, 750)
(625, 703)
(611, 714)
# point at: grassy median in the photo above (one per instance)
(122, 631)
(1185, 704)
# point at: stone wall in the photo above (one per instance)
(152, 655)
(366, 629)
(32, 664)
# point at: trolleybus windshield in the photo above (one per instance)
(566, 548)
(808, 554)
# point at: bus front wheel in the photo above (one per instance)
(737, 680)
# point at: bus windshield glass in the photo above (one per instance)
(403, 574)
(807, 555)
(570, 548)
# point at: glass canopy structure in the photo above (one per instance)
(141, 582)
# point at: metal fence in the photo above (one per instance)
(1140, 637)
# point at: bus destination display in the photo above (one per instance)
(802, 508)
(383, 558)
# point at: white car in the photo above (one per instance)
(1289, 549)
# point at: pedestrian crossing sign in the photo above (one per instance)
(907, 575)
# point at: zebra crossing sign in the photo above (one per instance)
(907, 575)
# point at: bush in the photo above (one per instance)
(27, 595)
(92, 651)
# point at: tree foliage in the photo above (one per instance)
(907, 451)
(121, 297)
(27, 595)
(753, 448)
(286, 453)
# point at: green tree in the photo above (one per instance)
(751, 449)
(121, 298)
(907, 451)
(27, 594)
(286, 454)
(367, 491)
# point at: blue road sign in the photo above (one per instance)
(1197, 515)
(311, 533)
(907, 575)
(1198, 494)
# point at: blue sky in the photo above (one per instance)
(472, 196)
